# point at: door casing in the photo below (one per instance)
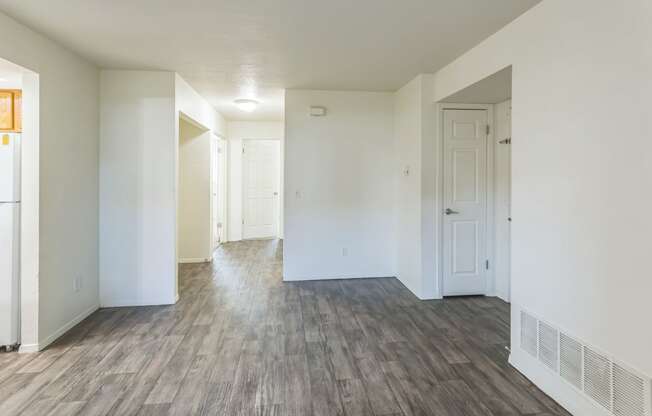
(219, 161)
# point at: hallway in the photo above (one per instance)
(242, 342)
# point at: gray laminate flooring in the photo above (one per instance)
(242, 342)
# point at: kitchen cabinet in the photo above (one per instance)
(11, 110)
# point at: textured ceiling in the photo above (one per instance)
(228, 49)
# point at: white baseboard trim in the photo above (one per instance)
(125, 303)
(434, 295)
(342, 277)
(429, 297)
(195, 260)
(28, 348)
(501, 296)
(554, 386)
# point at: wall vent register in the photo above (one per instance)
(610, 384)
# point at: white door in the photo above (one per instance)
(261, 177)
(465, 184)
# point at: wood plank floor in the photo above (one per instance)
(241, 342)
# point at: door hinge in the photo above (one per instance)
(488, 129)
(486, 264)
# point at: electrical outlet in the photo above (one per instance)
(345, 252)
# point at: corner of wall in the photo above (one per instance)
(50, 338)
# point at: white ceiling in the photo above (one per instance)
(228, 49)
(493, 89)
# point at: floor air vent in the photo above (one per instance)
(548, 345)
(597, 377)
(529, 333)
(619, 390)
(570, 360)
(629, 393)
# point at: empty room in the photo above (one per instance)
(285, 207)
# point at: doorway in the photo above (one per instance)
(475, 189)
(260, 188)
(465, 133)
(194, 237)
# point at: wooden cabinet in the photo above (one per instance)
(11, 110)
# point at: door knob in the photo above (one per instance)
(450, 211)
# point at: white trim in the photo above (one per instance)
(489, 211)
(224, 190)
(223, 186)
(194, 260)
(28, 348)
(29, 215)
(338, 277)
(126, 303)
(218, 148)
(422, 296)
(214, 146)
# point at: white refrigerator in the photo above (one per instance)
(9, 238)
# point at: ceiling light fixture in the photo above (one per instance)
(245, 104)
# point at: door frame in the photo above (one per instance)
(218, 151)
(490, 231)
(280, 188)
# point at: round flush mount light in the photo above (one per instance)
(246, 105)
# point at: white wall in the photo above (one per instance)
(236, 132)
(139, 177)
(63, 207)
(407, 135)
(339, 182)
(194, 194)
(194, 106)
(581, 169)
(414, 135)
(137, 184)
